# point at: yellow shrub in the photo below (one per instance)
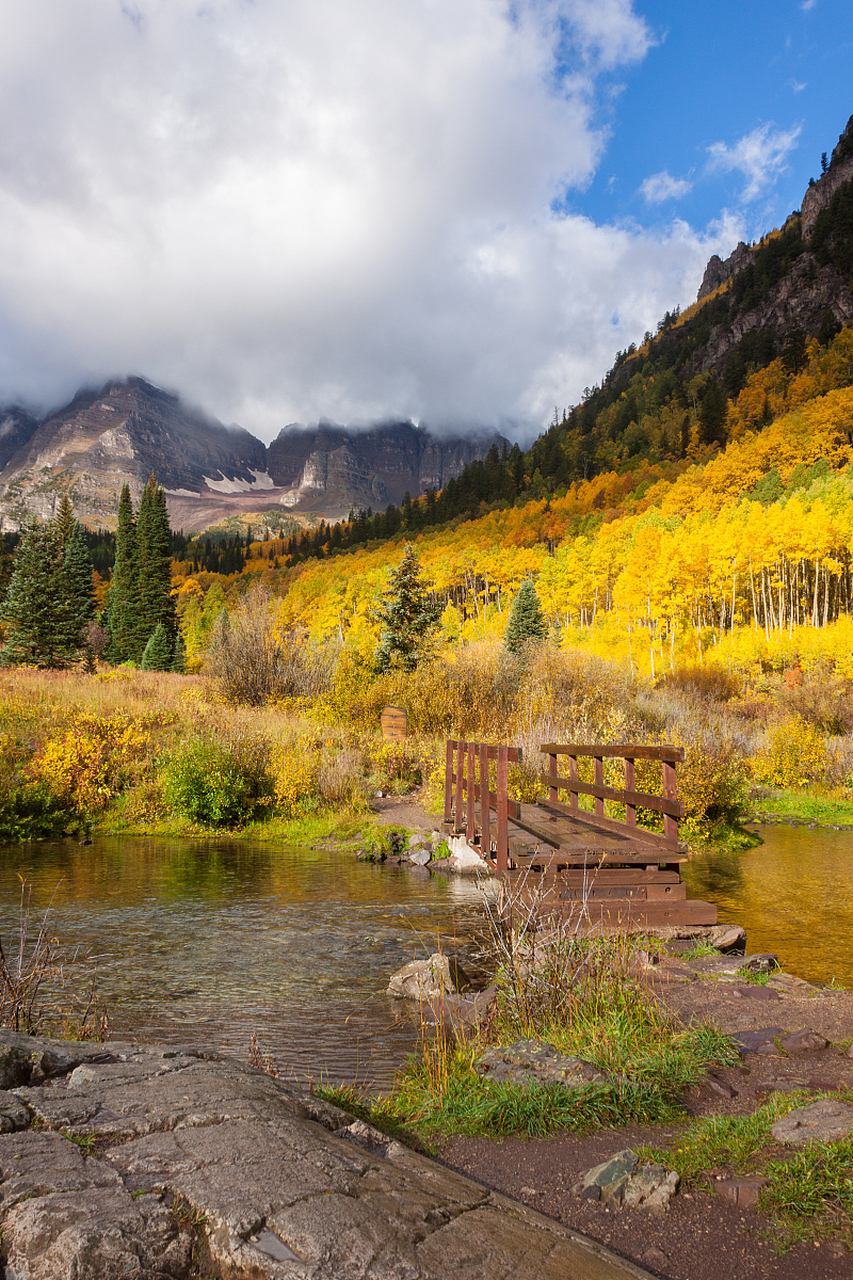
(397, 765)
(84, 765)
(295, 770)
(795, 756)
(712, 781)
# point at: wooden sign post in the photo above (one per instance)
(393, 722)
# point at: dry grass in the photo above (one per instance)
(38, 994)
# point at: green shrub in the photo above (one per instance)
(217, 785)
(29, 811)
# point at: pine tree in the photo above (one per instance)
(78, 577)
(158, 651)
(407, 614)
(64, 518)
(123, 603)
(179, 657)
(154, 563)
(526, 619)
(42, 628)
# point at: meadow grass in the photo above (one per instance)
(811, 805)
(809, 1192)
(580, 999)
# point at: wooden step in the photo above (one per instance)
(624, 893)
(690, 911)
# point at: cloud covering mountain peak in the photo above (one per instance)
(343, 207)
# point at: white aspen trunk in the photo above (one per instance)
(754, 601)
(672, 649)
(764, 602)
(814, 599)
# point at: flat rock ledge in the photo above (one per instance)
(150, 1161)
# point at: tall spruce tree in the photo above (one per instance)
(64, 518)
(123, 601)
(42, 626)
(154, 564)
(526, 620)
(407, 614)
(78, 578)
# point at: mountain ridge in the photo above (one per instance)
(120, 434)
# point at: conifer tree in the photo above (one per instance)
(158, 651)
(154, 563)
(407, 614)
(64, 518)
(78, 577)
(179, 657)
(526, 619)
(42, 628)
(123, 604)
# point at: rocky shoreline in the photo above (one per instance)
(163, 1163)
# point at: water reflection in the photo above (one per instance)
(222, 938)
(793, 894)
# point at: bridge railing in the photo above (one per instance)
(469, 800)
(664, 803)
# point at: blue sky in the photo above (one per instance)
(450, 210)
(718, 73)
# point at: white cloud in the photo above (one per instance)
(759, 156)
(662, 186)
(807, 5)
(798, 86)
(337, 207)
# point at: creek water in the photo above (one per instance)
(793, 894)
(213, 940)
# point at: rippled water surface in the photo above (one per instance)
(212, 940)
(793, 894)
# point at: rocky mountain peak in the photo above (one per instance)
(122, 432)
(820, 193)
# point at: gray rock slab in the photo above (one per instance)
(64, 1215)
(730, 965)
(533, 1061)
(146, 1156)
(607, 1181)
(825, 1121)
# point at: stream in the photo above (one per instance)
(214, 940)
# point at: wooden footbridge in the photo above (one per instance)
(574, 863)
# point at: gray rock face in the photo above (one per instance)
(824, 1121)
(619, 1182)
(387, 459)
(148, 1162)
(533, 1061)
